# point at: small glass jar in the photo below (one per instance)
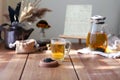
(97, 38)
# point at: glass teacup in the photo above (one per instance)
(60, 48)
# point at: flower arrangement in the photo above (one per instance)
(25, 11)
(31, 12)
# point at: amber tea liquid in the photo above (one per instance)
(96, 40)
(58, 50)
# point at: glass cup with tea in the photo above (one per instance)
(59, 48)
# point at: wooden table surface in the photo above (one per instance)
(75, 66)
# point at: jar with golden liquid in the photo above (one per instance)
(97, 38)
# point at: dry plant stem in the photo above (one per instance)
(36, 3)
(28, 10)
(43, 34)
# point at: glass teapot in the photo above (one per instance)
(97, 38)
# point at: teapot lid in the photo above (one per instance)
(98, 19)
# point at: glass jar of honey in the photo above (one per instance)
(97, 38)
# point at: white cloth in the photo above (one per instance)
(109, 55)
(113, 44)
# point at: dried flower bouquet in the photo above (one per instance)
(31, 12)
(25, 11)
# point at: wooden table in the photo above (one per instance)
(75, 67)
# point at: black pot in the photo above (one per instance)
(12, 34)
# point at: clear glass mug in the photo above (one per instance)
(60, 48)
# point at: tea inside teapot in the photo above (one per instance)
(97, 38)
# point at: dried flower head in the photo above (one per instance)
(43, 24)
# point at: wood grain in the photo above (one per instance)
(11, 64)
(34, 72)
(95, 67)
(74, 67)
(73, 37)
